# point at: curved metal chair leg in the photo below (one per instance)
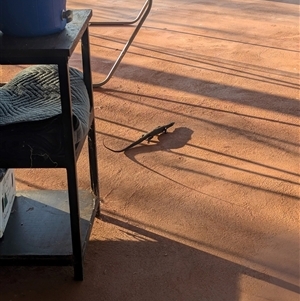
(143, 14)
(110, 23)
(141, 17)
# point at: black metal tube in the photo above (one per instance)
(87, 77)
(66, 103)
(144, 12)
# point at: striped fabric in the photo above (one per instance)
(34, 95)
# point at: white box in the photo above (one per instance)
(7, 196)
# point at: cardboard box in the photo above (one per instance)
(7, 196)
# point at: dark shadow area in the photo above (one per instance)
(39, 231)
(204, 260)
(141, 265)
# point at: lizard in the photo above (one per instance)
(148, 136)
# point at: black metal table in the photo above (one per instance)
(53, 227)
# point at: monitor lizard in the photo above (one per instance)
(148, 136)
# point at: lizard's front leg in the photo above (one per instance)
(149, 139)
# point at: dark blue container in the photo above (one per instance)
(30, 18)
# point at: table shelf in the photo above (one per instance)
(53, 227)
(38, 230)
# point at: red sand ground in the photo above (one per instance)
(210, 211)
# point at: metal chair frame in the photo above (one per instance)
(141, 17)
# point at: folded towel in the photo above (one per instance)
(34, 95)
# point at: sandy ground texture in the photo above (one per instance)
(209, 211)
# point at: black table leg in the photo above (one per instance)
(64, 78)
(87, 76)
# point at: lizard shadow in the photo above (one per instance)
(166, 142)
(175, 140)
